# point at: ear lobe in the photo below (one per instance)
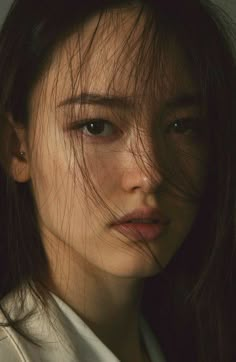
(19, 166)
(20, 171)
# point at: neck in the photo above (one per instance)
(109, 305)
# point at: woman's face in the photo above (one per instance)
(69, 215)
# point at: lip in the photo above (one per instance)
(148, 232)
(139, 231)
(143, 213)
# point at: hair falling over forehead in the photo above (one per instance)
(200, 276)
(147, 83)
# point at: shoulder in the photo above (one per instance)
(49, 335)
(9, 351)
(13, 346)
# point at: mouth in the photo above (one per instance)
(139, 230)
(143, 223)
(140, 221)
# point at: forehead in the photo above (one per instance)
(113, 54)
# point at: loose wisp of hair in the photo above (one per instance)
(190, 304)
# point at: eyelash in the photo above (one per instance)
(192, 123)
(83, 124)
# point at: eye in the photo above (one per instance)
(95, 128)
(186, 126)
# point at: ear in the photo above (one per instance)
(19, 165)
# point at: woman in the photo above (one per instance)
(117, 179)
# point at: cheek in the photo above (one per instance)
(182, 219)
(191, 167)
(50, 189)
(60, 189)
(196, 170)
(61, 203)
(50, 177)
(104, 170)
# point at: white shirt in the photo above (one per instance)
(64, 337)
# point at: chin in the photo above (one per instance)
(134, 266)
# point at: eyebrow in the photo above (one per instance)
(99, 100)
(182, 100)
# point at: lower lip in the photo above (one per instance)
(148, 232)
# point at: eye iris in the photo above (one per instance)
(179, 126)
(95, 127)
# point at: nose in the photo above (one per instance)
(141, 172)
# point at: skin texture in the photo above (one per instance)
(96, 270)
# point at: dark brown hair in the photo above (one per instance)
(191, 303)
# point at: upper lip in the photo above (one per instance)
(144, 213)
